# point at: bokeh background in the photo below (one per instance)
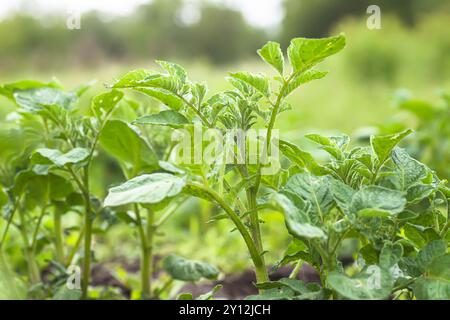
(409, 55)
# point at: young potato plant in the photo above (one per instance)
(254, 98)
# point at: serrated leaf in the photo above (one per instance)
(305, 53)
(145, 189)
(272, 54)
(165, 118)
(183, 269)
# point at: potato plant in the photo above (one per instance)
(394, 207)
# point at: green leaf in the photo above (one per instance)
(305, 53)
(334, 145)
(377, 201)
(32, 100)
(391, 253)
(165, 118)
(301, 158)
(183, 269)
(3, 197)
(373, 283)
(124, 143)
(105, 102)
(65, 293)
(314, 190)
(435, 285)
(432, 250)
(56, 157)
(174, 69)
(256, 80)
(164, 96)
(301, 79)
(343, 195)
(297, 220)
(131, 79)
(145, 189)
(272, 54)
(410, 170)
(383, 145)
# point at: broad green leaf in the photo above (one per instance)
(297, 220)
(198, 90)
(374, 199)
(373, 283)
(183, 269)
(305, 53)
(312, 189)
(391, 253)
(420, 235)
(410, 170)
(33, 100)
(301, 158)
(145, 189)
(383, 145)
(301, 79)
(174, 70)
(298, 289)
(432, 250)
(334, 145)
(167, 98)
(160, 81)
(343, 195)
(418, 192)
(56, 157)
(256, 80)
(124, 143)
(8, 89)
(435, 285)
(422, 109)
(12, 287)
(65, 293)
(105, 102)
(132, 78)
(272, 54)
(165, 118)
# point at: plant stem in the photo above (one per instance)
(33, 269)
(260, 268)
(88, 220)
(296, 269)
(59, 248)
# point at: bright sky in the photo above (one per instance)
(262, 13)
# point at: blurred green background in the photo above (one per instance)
(410, 51)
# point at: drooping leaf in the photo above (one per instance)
(56, 157)
(165, 118)
(145, 189)
(272, 54)
(124, 143)
(305, 53)
(183, 269)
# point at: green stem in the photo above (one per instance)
(260, 268)
(296, 269)
(59, 248)
(75, 247)
(33, 269)
(88, 221)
